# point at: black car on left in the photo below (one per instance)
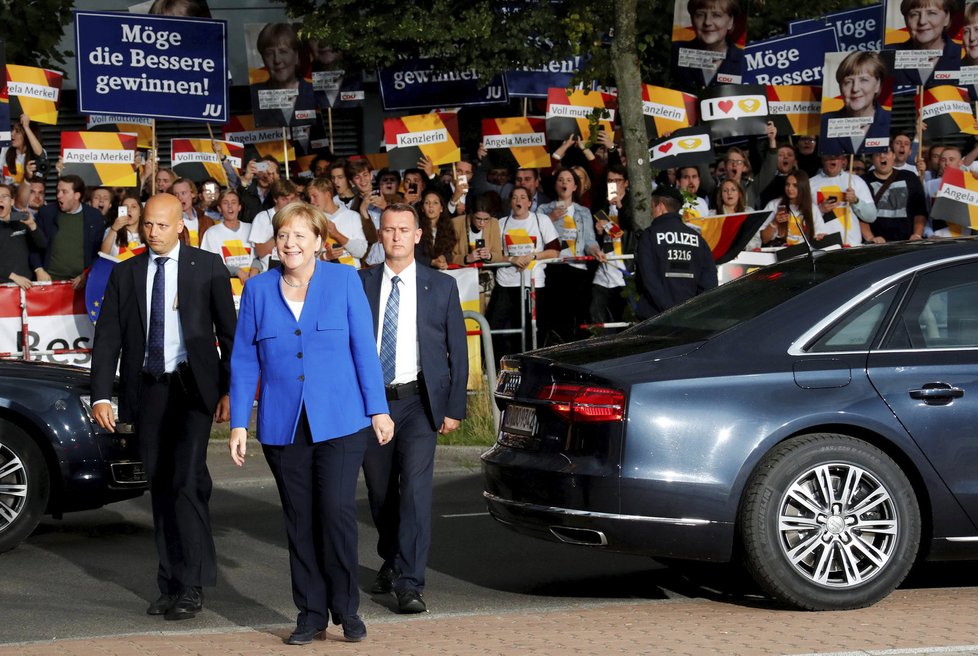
(54, 458)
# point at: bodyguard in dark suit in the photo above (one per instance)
(422, 346)
(160, 314)
(74, 233)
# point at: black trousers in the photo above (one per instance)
(607, 304)
(317, 483)
(173, 427)
(399, 479)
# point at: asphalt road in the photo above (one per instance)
(92, 574)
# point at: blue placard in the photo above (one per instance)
(534, 82)
(856, 29)
(789, 60)
(416, 84)
(155, 66)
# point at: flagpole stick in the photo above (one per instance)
(852, 158)
(152, 156)
(526, 104)
(329, 119)
(285, 151)
(920, 127)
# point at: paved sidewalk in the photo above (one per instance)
(908, 622)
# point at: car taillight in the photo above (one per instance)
(584, 403)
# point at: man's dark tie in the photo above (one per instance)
(155, 359)
(388, 338)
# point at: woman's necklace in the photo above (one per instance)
(293, 285)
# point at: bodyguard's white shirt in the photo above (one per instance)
(174, 349)
(406, 365)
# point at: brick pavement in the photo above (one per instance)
(923, 621)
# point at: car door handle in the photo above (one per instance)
(937, 393)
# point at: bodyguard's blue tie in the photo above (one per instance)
(155, 359)
(388, 338)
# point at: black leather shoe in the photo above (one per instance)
(384, 583)
(410, 601)
(354, 630)
(188, 604)
(302, 635)
(162, 605)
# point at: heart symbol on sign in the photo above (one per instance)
(749, 105)
(725, 105)
(666, 147)
(690, 144)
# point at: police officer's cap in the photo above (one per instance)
(664, 191)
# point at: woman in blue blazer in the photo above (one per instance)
(305, 331)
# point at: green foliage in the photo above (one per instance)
(31, 31)
(478, 427)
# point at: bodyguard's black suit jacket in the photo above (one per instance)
(441, 338)
(206, 309)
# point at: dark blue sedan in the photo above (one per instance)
(54, 458)
(816, 420)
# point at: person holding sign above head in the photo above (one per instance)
(860, 78)
(278, 100)
(712, 57)
(927, 22)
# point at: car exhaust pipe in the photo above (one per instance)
(582, 536)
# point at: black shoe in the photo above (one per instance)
(410, 601)
(354, 630)
(384, 583)
(162, 605)
(188, 604)
(302, 635)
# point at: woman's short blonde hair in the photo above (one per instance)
(301, 211)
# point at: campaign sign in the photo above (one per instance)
(156, 66)
(789, 60)
(529, 82)
(734, 110)
(856, 29)
(418, 83)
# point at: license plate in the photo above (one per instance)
(520, 419)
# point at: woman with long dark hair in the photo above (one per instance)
(20, 161)
(437, 234)
(790, 214)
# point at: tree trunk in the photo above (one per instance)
(628, 77)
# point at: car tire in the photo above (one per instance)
(829, 522)
(24, 486)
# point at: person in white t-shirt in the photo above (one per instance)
(345, 242)
(840, 200)
(527, 237)
(231, 240)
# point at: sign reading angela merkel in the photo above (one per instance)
(156, 66)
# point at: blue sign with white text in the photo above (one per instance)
(789, 60)
(417, 83)
(856, 29)
(155, 66)
(534, 82)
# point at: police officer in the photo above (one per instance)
(673, 261)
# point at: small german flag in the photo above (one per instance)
(728, 234)
(101, 159)
(524, 137)
(434, 135)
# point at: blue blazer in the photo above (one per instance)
(326, 360)
(442, 345)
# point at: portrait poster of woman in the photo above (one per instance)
(278, 66)
(968, 77)
(925, 36)
(857, 98)
(708, 39)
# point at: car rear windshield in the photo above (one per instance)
(745, 298)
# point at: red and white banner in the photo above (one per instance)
(56, 321)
